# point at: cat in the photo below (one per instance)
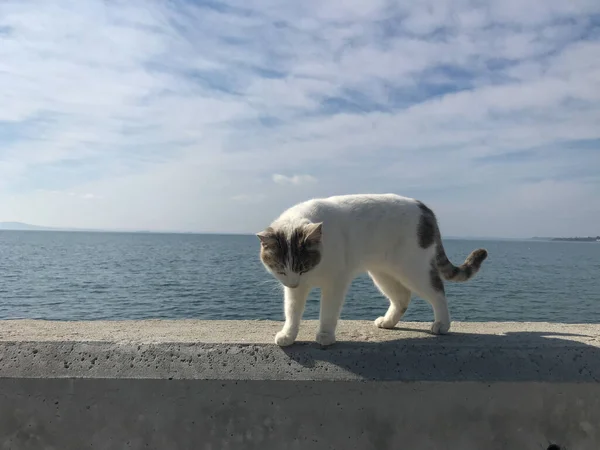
(327, 242)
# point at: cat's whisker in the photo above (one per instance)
(273, 285)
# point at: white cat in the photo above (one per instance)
(327, 242)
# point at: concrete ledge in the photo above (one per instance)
(224, 385)
(243, 350)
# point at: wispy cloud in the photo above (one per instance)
(248, 198)
(79, 195)
(294, 179)
(180, 113)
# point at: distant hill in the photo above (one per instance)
(19, 226)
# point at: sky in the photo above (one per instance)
(214, 116)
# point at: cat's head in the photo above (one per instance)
(292, 254)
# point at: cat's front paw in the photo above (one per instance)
(380, 322)
(440, 327)
(325, 339)
(284, 339)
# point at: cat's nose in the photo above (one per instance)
(293, 286)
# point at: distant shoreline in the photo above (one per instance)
(94, 231)
(19, 226)
(569, 239)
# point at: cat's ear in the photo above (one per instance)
(266, 236)
(314, 232)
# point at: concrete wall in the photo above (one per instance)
(223, 385)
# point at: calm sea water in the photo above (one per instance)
(75, 276)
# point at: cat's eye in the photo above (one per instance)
(281, 273)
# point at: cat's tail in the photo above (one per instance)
(465, 271)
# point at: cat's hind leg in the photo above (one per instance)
(397, 294)
(424, 280)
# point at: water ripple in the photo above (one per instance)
(89, 276)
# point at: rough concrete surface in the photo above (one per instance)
(224, 385)
(232, 350)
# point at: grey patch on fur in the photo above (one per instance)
(436, 280)
(275, 253)
(427, 231)
(305, 252)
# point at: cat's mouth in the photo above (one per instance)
(292, 286)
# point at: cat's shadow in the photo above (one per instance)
(514, 356)
(410, 330)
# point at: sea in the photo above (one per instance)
(115, 276)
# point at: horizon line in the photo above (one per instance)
(41, 228)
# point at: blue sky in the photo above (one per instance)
(215, 116)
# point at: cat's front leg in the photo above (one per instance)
(294, 303)
(332, 300)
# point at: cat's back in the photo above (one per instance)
(361, 207)
(357, 229)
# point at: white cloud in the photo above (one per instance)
(79, 195)
(89, 196)
(294, 179)
(248, 198)
(180, 114)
